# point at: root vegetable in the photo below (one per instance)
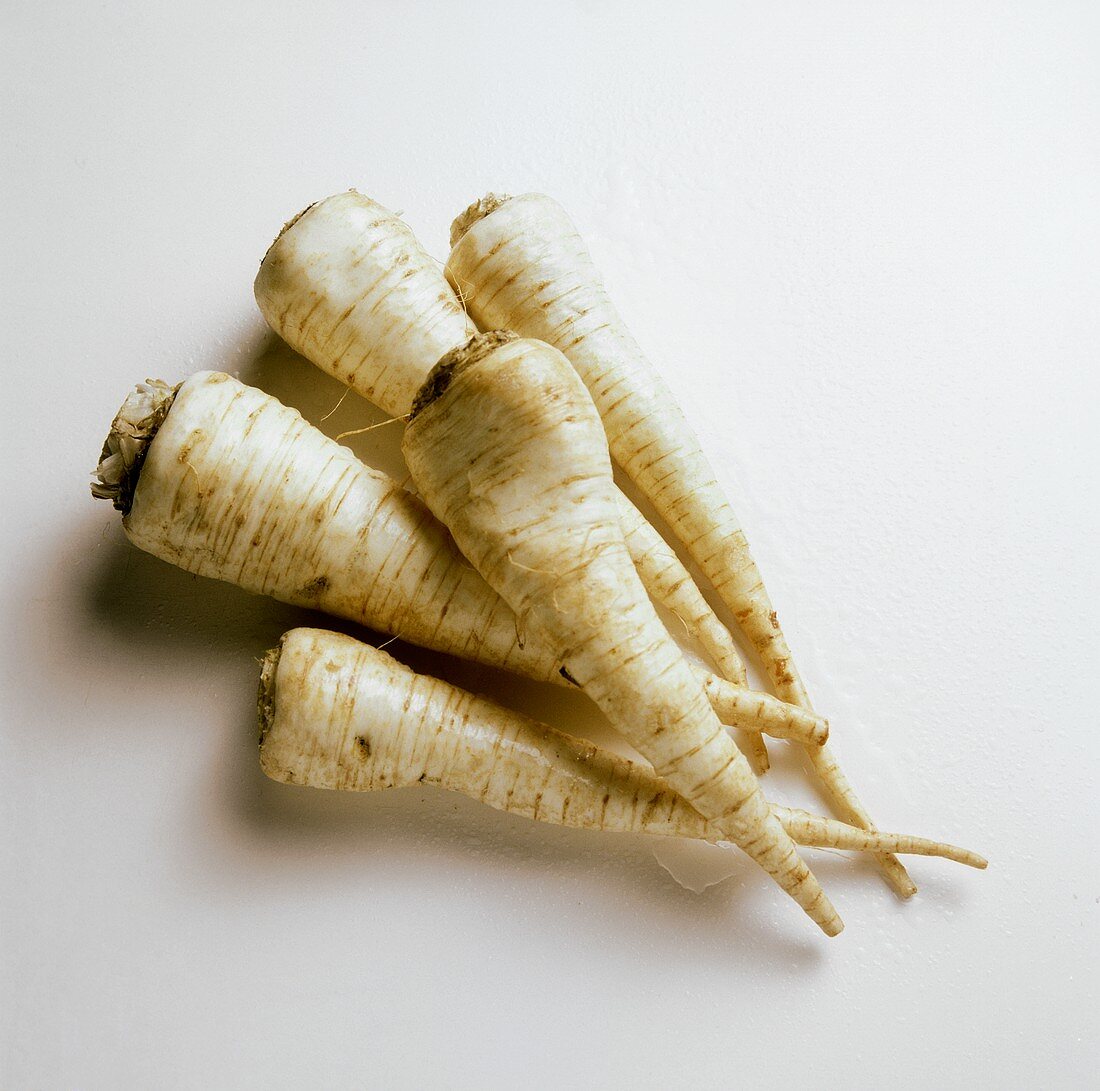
(224, 481)
(518, 263)
(508, 451)
(339, 714)
(669, 584)
(347, 285)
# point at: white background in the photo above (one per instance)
(861, 241)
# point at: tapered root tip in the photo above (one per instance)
(135, 426)
(481, 208)
(821, 911)
(965, 856)
(802, 885)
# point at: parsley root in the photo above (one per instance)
(508, 451)
(518, 263)
(339, 714)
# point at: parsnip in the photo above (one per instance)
(665, 578)
(663, 575)
(518, 263)
(347, 285)
(508, 451)
(339, 714)
(224, 481)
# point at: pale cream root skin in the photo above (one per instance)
(827, 833)
(511, 456)
(668, 582)
(670, 585)
(346, 716)
(524, 267)
(236, 486)
(519, 263)
(339, 714)
(762, 712)
(348, 286)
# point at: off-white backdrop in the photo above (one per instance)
(861, 242)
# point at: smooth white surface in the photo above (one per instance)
(861, 240)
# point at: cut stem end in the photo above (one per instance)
(482, 207)
(265, 698)
(454, 363)
(135, 426)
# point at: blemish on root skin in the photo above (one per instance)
(567, 676)
(315, 587)
(362, 745)
(193, 440)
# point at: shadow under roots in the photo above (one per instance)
(327, 404)
(152, 610)
(159, 609)
(286, 836)
(278, 837)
